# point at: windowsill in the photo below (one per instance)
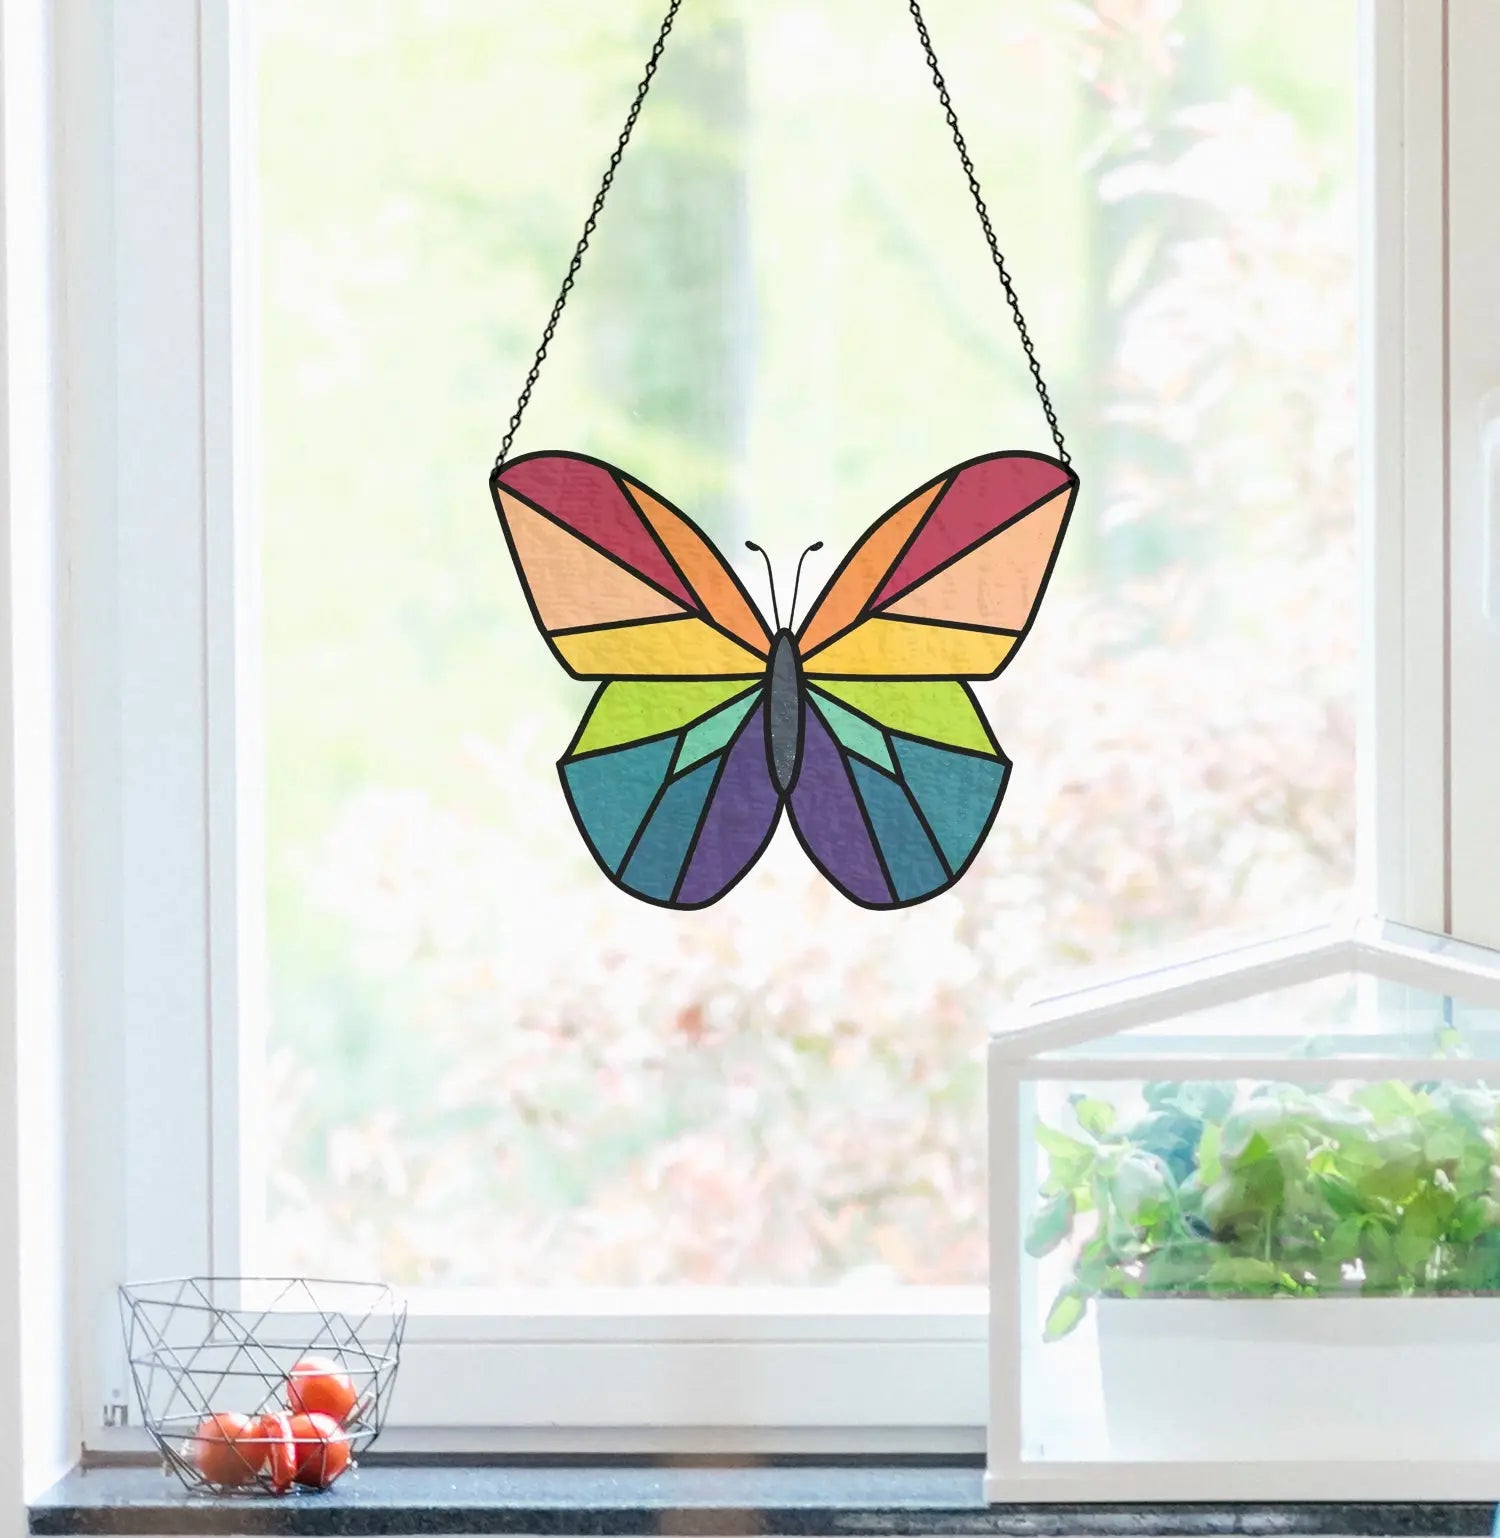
(773, 1497)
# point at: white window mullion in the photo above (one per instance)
(158, 544)
(1402, 826)
(1474, 468)
(235, 752)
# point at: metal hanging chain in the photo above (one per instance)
(589, 226)
(592, 222)
(989, 230)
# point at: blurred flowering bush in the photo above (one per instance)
(488, 1067)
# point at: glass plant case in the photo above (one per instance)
(1246, 1228)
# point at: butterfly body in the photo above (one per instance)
(861, 725)
(784, 708)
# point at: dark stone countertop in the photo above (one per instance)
(696, 1501)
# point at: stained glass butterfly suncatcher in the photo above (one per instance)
(861, 722)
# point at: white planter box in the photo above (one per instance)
(1330, 1380)
(1298, 1399)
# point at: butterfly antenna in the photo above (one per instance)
(771, 578)
(797, 580)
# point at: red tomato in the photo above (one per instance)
(281, 1451)
(317, 1385)
(226, 1451)
(322, 1447)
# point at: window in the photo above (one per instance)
(485, 1066)
(749, 1140)
(461, 1089)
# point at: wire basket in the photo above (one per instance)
(211, 1358)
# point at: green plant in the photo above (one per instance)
(1283, 1190)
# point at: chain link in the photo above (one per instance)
(592, 222)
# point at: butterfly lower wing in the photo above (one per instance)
(620, 583)
(899, 783)
(669, 786)
(947, 584)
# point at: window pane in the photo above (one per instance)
(486, 1065)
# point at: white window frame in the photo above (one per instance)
(162, 831)
(1402, 735)
(1472, 403)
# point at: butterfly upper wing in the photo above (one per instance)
(945, 585)
(898, 786)
(620, 583)
(669, 786)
